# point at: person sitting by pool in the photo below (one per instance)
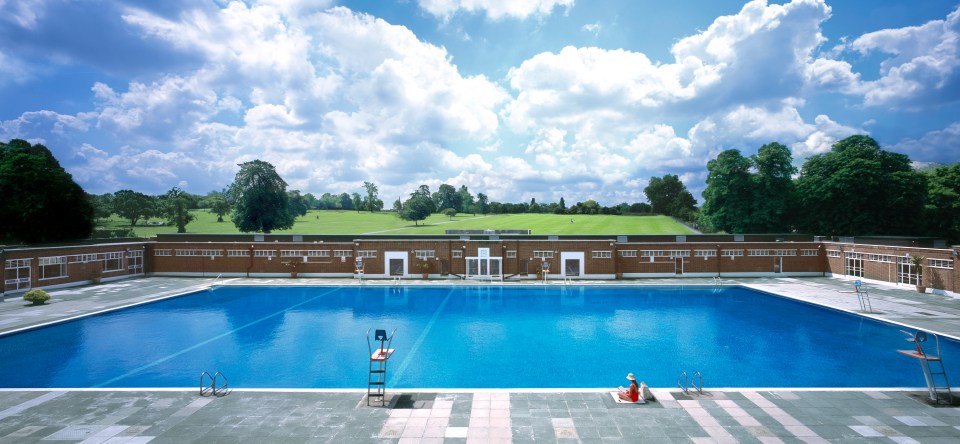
(631, 394)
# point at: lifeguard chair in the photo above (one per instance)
(932, 366)
(546, 269)
(359, 269)
(377, 379)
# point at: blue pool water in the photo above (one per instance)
(468, 337)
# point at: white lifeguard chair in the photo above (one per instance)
(359, 270)
(934, 373)
(377, 379)
(545, 266)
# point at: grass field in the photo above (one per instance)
(351, 222)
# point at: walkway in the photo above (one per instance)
(160, 416)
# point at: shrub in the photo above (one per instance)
(38, 297)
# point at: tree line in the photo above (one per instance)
(855, 189)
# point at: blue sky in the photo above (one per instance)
(517, 99)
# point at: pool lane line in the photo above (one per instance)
(217, 337)
(423, 336)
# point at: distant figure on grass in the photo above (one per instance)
(571, 221)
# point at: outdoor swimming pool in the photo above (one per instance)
(468, 337)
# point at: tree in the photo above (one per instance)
(857, 189)
(40, 201)
(133, 205)
(466, 200)
(774, 194)
(482, 206)
(449, 212)
(942, 211)
(356, 201)
(424, 191)
(447, 197)
(669, 196)
(562, 208)
(727, 198)
(219, 206)
(534, 206)
(417, 208)
(295, 204)
(372, 202)
(261, 199)
(310, 201)
(345, 202)
(102, 205)
(176, 205)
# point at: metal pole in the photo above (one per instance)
(3, 263)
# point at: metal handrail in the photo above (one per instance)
(220, 391)
(206, 390)
(699, 386)
(686, 381)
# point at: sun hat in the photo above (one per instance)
(630, 377)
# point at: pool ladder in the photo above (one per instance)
(209, 385)
(684, 382)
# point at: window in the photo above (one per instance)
(705, 253)
(265, 253)
(367, 253)
(854, 264)
(731, 253)
(543, 254)
(679, 253)
(879, 258)
(291, 253)
(458, 254)
(161, 252)
(423, 254)
(53, 267)
(906, 272)
(16, 275)
(602, 254)
(237, 253)
(941, 263)
(628, 253)
(343, 253)
(772, 253)
(653, 253)
(211, 253)
(833, 253)
(511, 254)
(188, 252)
(135, 261)
(113, 261)
(317, 253)
(809, 252)
(83, 258)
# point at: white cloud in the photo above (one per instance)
(940, 146)
(45, 121)
(494, 9)
(747, 128)
(592, 28)
(23, 13)
(922, 67)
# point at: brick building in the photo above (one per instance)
(479, 256)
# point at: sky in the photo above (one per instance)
(516, 99)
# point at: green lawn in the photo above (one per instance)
(351, 222)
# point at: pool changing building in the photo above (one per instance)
(507, 257)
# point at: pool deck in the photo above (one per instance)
(739, 415)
